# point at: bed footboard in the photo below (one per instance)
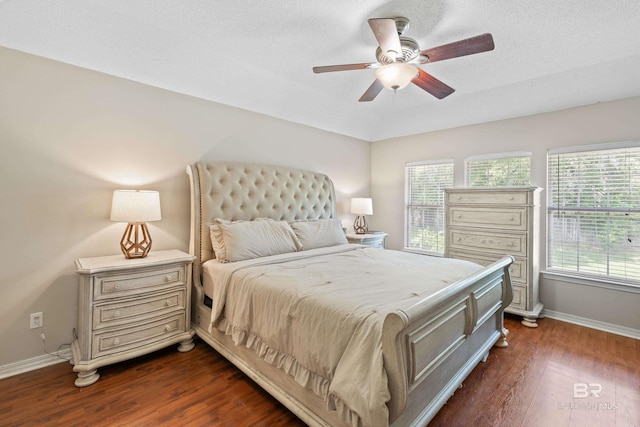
(459, 326)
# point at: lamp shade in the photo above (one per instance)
(396, 75)
(362, 206)
(135, 206)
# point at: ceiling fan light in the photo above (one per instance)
(397, 75)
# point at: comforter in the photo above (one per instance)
(318, 315)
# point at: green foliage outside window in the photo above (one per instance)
(424, 215)
(594, 212)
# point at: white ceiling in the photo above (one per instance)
(258, 55)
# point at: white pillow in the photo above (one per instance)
(240, 240)
(319, 233)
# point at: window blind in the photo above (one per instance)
(424, 207)
(499, 170)
(593, 212)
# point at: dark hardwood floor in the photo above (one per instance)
(530, 383)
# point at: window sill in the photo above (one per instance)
(590, 281)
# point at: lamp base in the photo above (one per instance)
(136, 240)
(360, 225)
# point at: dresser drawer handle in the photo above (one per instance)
(511, 244)
(168, 278)
(116, 314)
(167, 328)
(167, 303)
(116, 341)
(117, 286)
(458, 216)
(512, 219)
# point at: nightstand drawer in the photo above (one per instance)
(518, 268)
(500, 218)
(502, 243)
(108, 286)
(134, 310)
(376, 240)
(487, 197)
(138, 336)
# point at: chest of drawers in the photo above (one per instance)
(484, 224)
(130, 307)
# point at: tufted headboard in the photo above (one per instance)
(245, 191)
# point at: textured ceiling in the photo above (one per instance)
(258, 55)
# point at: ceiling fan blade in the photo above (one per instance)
(477, 44)
(372, 92)
(345, 67)
(432, 85)
(386, 33)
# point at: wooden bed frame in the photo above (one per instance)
(429, 349)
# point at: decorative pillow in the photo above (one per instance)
(240, 240)
(319, 233)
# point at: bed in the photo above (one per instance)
(403, 330)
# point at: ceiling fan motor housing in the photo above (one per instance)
(410, 51)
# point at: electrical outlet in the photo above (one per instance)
(36, 320)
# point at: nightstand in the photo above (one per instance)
(373, 240)
(130, 307)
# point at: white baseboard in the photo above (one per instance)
(35, 363)
(593, 324)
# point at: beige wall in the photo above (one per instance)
(600, 123)
(69, 137)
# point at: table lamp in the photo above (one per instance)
(136, 207)
(361, 206)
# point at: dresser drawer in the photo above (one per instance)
(110, 342)
(519, 297)
(495, 218)
(501, 243)
(109, 286)
(134, 310)
(487, 197)
(518, 268)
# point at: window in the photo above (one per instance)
(498, 170)
(593, 211)
(424, 206)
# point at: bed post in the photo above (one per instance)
(507, 298)
(197, 296)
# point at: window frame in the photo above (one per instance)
(584, 277)
(408, 205)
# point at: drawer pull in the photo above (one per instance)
(167, 303)
(512, 219)
(511, 244)
(116, 341)
(167, 328)
(117, 286)
(458, 216)
(168, 278)
(116, 314)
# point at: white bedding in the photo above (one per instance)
(318, 315)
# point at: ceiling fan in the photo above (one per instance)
(399, 55)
